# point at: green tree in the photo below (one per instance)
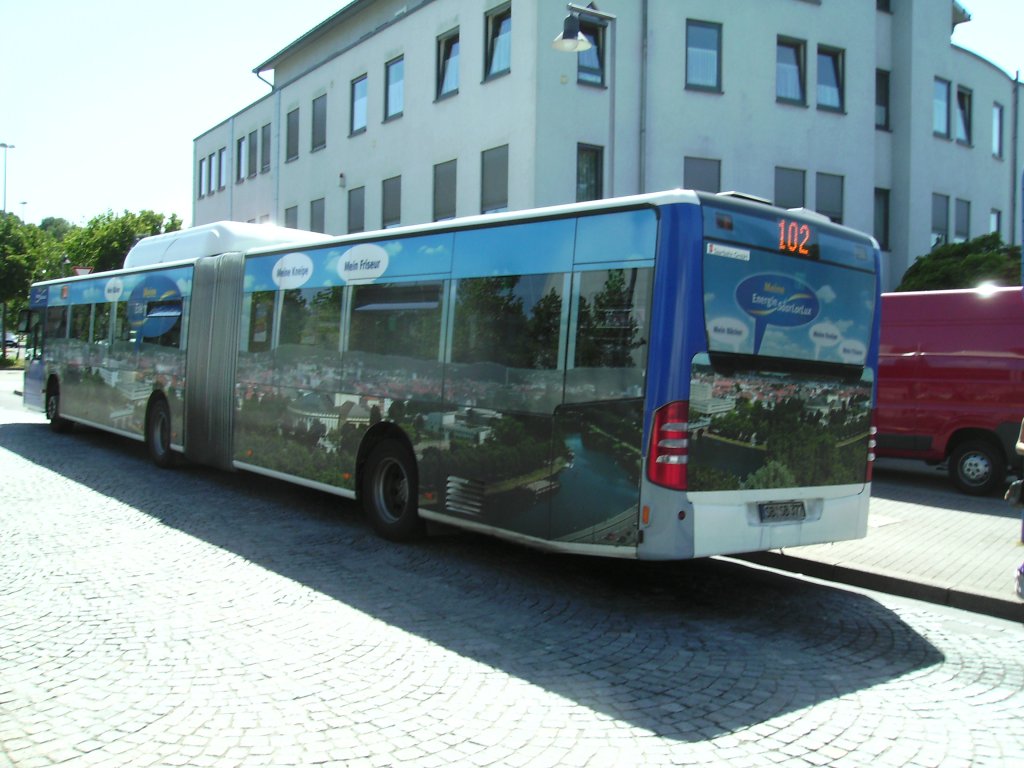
(103, 243)
(965, 265)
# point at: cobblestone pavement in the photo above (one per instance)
(193, 617)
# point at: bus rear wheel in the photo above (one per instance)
(977, 467)
(57, 422)
(390, 492)
(158, 434)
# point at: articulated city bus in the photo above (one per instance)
(664, 376)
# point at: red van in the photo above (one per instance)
(951, 382)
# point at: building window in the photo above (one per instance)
(240, 156)
(829, 192)
(292, 136)
(940, 108)
(357, 210)
(291, 217)
(211, 181)
(357, 122)
(494, 180)
(499, 43)
(703, 55)
(391, 207)
(202, 177)
(882, 100)
(394, 97)
(940, 220)
(997, 130)
(265, 148)
(444, 190)
(589, 172)
(964, 133)
(253, 151)
(222, 167)
(830, 79)
(590, 63)
(995, 221)
(962, 222)
(883, 5)
(790, 80)
(448, 64)
(789, 188)
(882, 218)
(702, 173)
(319, 133)
(316, 216)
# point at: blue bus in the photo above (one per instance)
(664, 376)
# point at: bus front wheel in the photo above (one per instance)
(976, 467)
(390, 492)
(158, 434)
(57, 422)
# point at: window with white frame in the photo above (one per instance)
(265, 148)
(789, 187)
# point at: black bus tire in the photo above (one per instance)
(57, 422)
(976, 467)
(390, 492)
(158, 434)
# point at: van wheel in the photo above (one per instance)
(390, 492)
(57, 422)
(977, 467)
(158, 434)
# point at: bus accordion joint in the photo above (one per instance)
(670, 446)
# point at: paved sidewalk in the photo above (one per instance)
(926, 541)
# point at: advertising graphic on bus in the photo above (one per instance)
(664, 376)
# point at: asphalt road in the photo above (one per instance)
(203, 618)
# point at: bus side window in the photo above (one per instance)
(101, 323)
(80, 316)
(56, 322)
(609, 351)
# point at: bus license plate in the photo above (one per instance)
(781, 511)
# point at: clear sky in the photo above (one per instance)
(102, 99)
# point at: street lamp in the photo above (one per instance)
(572, 40)
(5, 146)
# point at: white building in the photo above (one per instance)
(408, 111)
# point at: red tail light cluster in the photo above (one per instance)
(670, 446)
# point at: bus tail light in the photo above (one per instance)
(670, 446)
(872, 442)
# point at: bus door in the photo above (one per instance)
(30, 324)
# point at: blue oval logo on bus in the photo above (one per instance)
(776, 300)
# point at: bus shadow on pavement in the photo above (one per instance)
(687, 651)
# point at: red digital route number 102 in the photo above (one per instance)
(794, 237)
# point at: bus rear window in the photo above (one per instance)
(786, 287)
